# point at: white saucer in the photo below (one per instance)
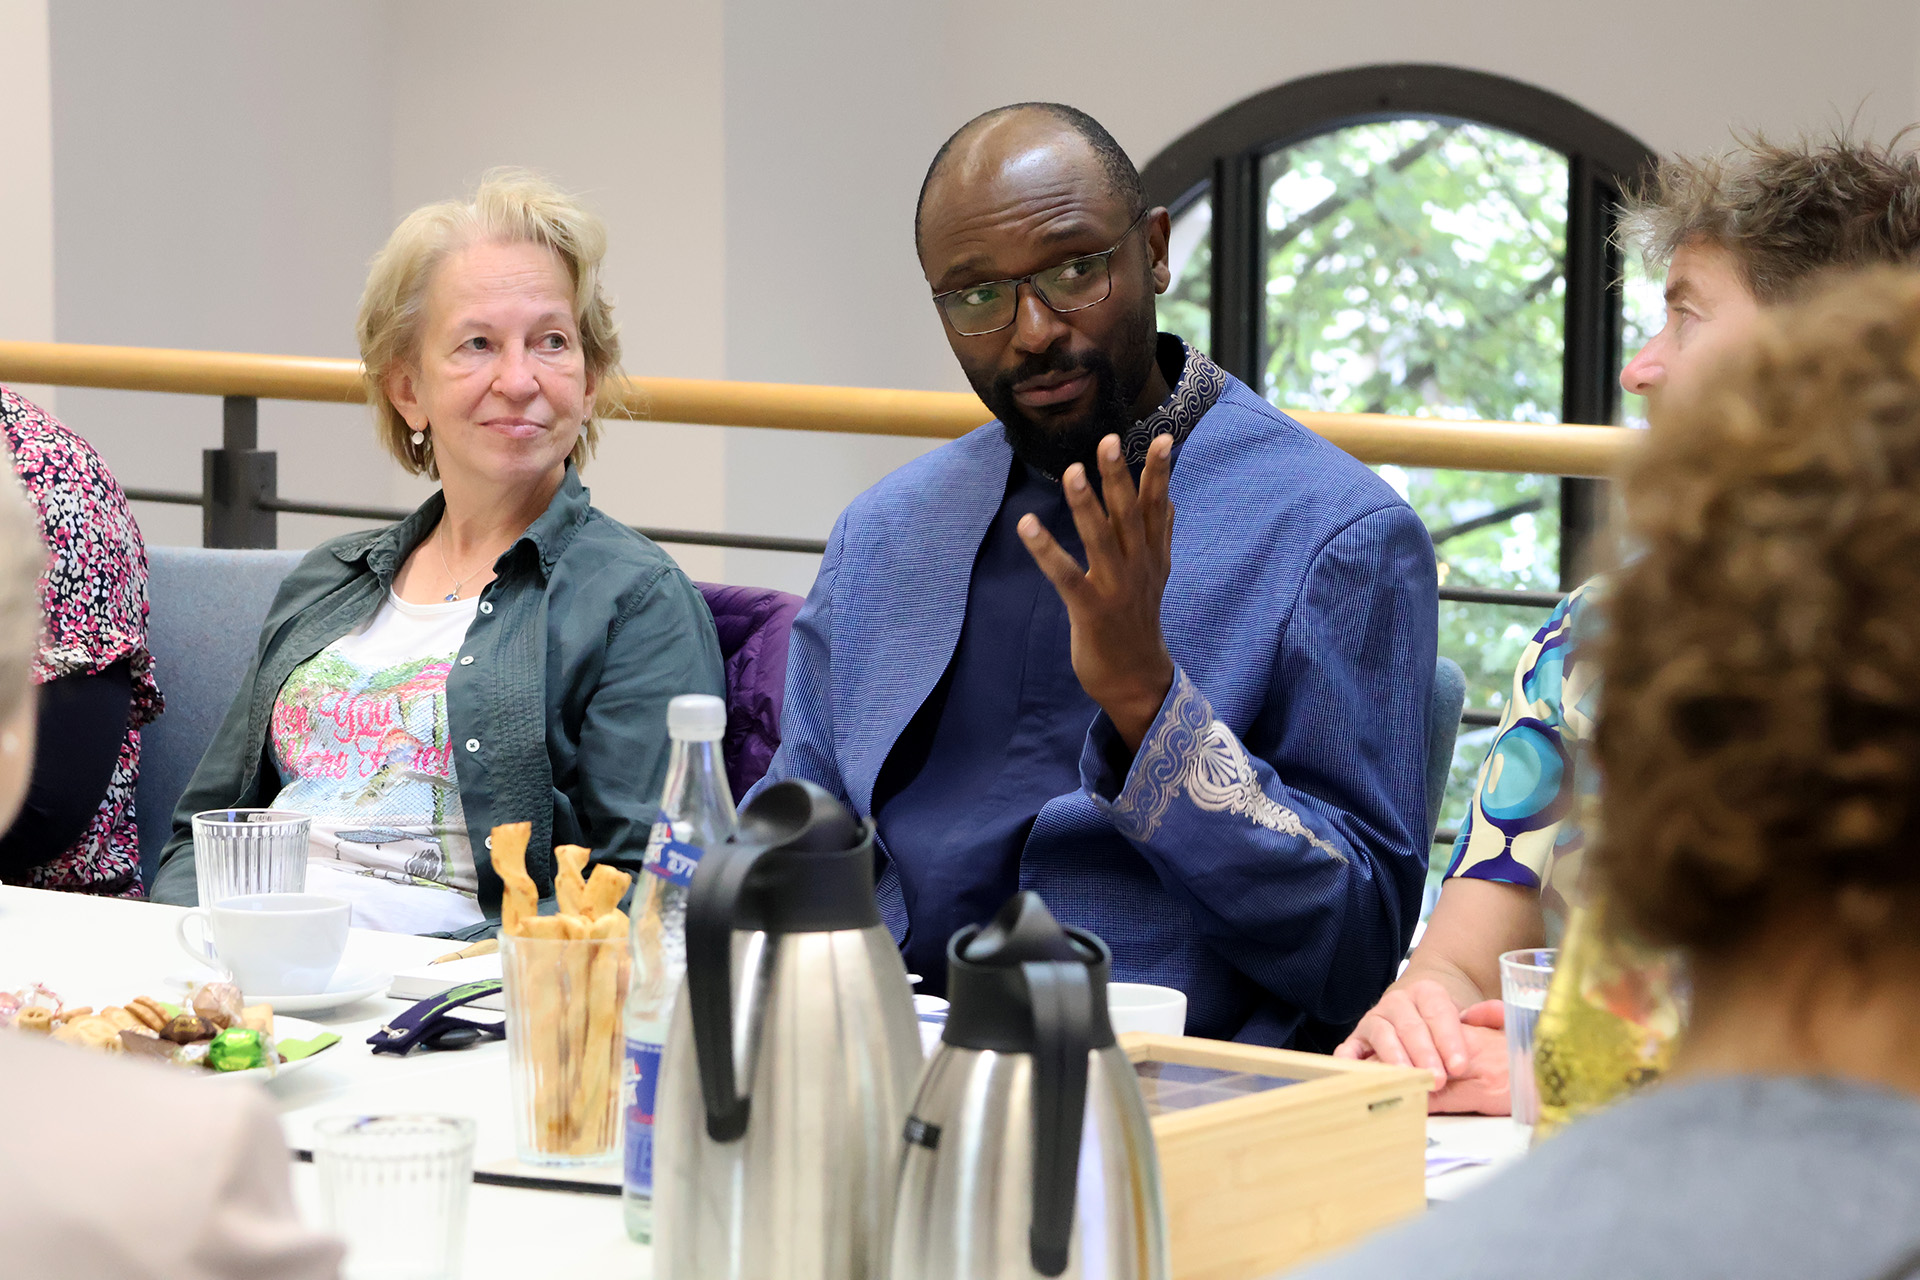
(348, 987)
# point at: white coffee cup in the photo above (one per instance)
(276, 944)
(1141, 1006)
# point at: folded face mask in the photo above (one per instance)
(431, 1024)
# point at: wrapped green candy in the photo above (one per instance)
(237, 1049)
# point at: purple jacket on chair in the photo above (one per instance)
(755, 624)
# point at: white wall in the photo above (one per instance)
(634, 125)
(26, 176)
(220, 179)
(222, 170)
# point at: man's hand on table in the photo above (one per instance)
(1113, 606)
(1421, 1025)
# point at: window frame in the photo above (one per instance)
(1222, 157)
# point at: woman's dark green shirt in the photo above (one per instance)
(557, 702)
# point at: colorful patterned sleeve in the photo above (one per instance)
(95, 591)
(1520, 826)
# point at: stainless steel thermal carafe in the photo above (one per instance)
(791, 1058)
(1028, 1151)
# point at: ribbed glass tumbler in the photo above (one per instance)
(395, 1189)
(565, 1047)
(240, 851)
(1524, 979)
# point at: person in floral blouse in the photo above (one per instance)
(95, 676)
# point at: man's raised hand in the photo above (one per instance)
(1113, 605)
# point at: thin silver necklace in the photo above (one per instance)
(458, 581)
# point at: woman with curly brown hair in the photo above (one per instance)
(1759, 741)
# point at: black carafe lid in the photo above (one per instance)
(1026, 984)
(800, 863)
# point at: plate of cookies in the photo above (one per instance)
(211, 1032)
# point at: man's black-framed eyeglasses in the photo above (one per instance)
(1074, 285)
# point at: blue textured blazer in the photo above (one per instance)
(1265, 849)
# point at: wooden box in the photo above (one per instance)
(1270, 1157)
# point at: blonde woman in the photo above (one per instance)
(507, 652)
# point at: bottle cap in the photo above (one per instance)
(696, 717)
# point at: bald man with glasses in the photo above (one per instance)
(1202, 739)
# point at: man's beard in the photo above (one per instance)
(1051, 447)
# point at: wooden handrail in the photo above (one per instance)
(1414, 442)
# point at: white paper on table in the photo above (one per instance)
(430, 980)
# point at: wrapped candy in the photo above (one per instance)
(219, 1003)
(192, 1055)
(239, 1049)
(187, 1028)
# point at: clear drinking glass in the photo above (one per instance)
(237, 851)
(395, 1189)
(565, 1047)
(1524, 979)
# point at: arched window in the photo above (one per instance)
(1422, 240)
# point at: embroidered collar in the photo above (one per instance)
(1199, 385)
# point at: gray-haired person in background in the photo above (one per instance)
(1739, 234)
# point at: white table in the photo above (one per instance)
(1495, 1139)
(104, 951)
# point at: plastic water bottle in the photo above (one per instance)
(696, 810)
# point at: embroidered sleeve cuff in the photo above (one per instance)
(1187, 757)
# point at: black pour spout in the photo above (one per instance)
(1025, 984)
(801, 863)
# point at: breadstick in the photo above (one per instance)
(604, 891)
(569, 886)
(538, 975)
(575, 958)
(519, 900)
(555, 1001)
(591, 1105)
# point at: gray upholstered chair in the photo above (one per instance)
(207, 607)
(1443, 727)
(202, 628)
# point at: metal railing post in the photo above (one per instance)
(240, 481)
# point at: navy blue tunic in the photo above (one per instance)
(1000, 735)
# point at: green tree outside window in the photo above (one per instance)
(1417, 267)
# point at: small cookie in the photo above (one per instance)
(125, 1021)
(89, 1033)
(147, 1011)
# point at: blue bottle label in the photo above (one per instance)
(668, 858)
(643, 1078)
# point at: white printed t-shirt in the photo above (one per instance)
(361, 740)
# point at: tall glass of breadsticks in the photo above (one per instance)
(566, 983)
